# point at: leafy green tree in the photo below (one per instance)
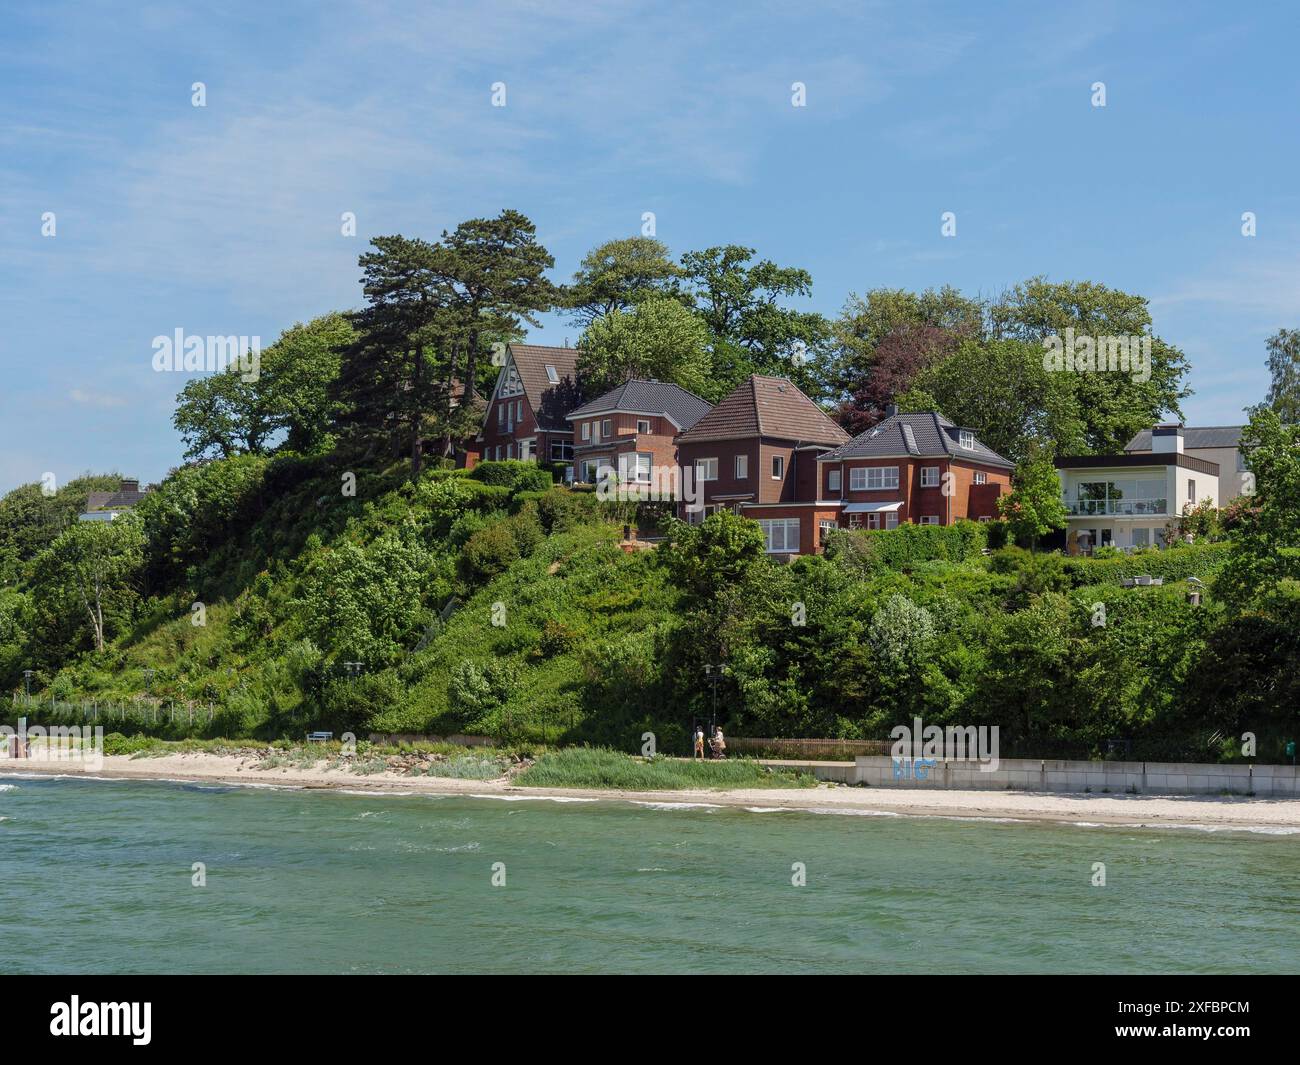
(1113, 405)
(1284, 373)
(1001, 390)
(30, 519)
(91, 570)
(867, 321)
(1265, 555)
(297, 375)
(619, 274)
(752, 332)
(1033, 507)
(658, 339)
(721, 550)
(220, 414)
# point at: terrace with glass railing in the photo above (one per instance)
(1123, 498)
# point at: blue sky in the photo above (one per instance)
(225, 219)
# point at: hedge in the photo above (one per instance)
(908, 544)
(1173, 564)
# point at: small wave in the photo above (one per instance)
(534, 798)
(677, 805)
(8, 787)
(852, 812)
(764, 809)
(653, 869)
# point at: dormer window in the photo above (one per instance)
(552, 375)
(966, 439)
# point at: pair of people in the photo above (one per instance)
(717, 745)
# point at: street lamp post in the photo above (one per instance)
(713, 674)
(27, 682)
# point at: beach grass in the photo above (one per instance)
(586, 767)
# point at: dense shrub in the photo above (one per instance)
(871, 549)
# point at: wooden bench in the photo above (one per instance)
(319, 737)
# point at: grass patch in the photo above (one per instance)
(584, 767)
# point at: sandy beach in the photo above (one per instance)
(1209, 812)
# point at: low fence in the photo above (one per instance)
(814, 750)
(1117, 778)
(106, 712)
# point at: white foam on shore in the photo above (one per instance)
(532, 798)
(765, 809)
(8, 787)
(852, 812)
(676, 805)
(370, 794)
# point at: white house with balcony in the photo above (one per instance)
(1127, 501)
(1214, 443)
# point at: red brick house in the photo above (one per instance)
(526, 417)
(756, 453)
(917, 468)
(631, 428)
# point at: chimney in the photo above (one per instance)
(891, 409)
(130, 484)
(1167, 439)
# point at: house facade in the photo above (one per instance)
(526, 416)
(756, 453)
(918, 468)
(1220, 444)
(1127, 501)
(630, 430)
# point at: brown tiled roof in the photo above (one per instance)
(550, 402)
(767, 406)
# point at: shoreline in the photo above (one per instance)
(1279, 816)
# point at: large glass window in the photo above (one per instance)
(874, 477)
(782, 534)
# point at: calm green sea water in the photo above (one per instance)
(95, 877)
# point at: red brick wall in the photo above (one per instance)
(969, 500)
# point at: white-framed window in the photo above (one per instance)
(706, 469)
(589, 471)
(561, 450)
(855, 521)
(586, 430)
(501, 413)
(981, 477)
(873, 521)
(643, 425)
(636, 467)
(891, 520)
(519, 410)
(778, 467)
(930, 519)
(985, 517)
(551, 375)
(966, 439)
(832, 480)
(526, 449)
(782, 535)
(872, 478)
(824, 526)
(510, 451)
(1141, 537)
(929, 476)
(742, 467)
(606, 428)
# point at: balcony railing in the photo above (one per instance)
(1138, 508)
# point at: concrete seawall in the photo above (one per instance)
(1037, 774)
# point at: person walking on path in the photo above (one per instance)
(699, 742)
